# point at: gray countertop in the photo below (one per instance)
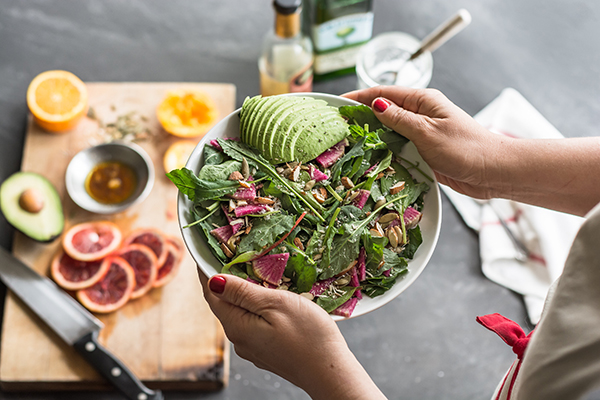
(426, 343)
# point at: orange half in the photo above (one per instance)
(57, 99)
(187, 113)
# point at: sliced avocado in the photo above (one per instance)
(31, 204)
(290, 128)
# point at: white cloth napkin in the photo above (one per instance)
(547, 234)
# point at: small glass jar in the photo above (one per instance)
(381, 58)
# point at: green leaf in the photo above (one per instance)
(219, 172)
(330, 303)
(242, 258)
(197, 189)
(362, 115)
(415, 239)
(394, 141)
(328, 239)
(265, 232)
(374, 246)
(212, 156)
(378, 285)
(355, 151)
(304, 275)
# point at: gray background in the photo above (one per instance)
(425, 344)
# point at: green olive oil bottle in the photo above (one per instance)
(338, 29)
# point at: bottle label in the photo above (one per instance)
(336, 60)
(343, 31)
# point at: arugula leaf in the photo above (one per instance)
(374, 246)
(394, 141)
(265, 232)
(355, 151)
(328, 239)
(412, 190)
(362, 115)
(415, 239)
(241, 258)
(377, 285)
(316, 241)
(238, 151)
(304, 275)
(197, 189)
(212, 156)
(219, 172)
(330, 303)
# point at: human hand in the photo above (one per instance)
(461, 152)
(289, 335)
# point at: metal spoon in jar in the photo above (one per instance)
(438, 37)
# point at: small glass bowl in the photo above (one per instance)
(129, 154)
(380, 58)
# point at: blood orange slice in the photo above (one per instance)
(92, 240)
(152, 238)
(71, 274)
(112, 291)
(169, 268)
(143, 261)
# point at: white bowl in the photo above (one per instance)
(430, 223)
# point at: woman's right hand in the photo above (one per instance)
(461, 152)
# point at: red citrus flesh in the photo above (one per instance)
(144, 264)
(71, 274)
(92, 240)
(152, 238)
(168, 270)
(112, 291)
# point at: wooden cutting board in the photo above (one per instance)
(169, 337)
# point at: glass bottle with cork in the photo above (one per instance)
(286, 62)
(338, 29)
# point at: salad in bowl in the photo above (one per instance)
(310, 193)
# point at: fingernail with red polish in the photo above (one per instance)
(217, 284)
(380, 105)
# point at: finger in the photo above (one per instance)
(402, 96)
(246, 295)
(398, 118)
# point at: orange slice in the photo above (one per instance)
(186, 113)
(177, 154)
(57, 100)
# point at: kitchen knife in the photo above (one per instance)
(72, 322)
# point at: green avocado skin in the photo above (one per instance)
(290, 128)
(43, 226)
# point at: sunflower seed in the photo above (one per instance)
(375, 232)
(310, 184)
(343, 281)
(245, 168)
(398, 231)
(265, 200)
(393, 237)
(389, 217)
(380, 203)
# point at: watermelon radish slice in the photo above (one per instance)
(361, 266)
(223, 234)
(247, 194)
(411, 217)
(320, 286)
(214, 143)
(358, 294)
(317, 175)
(354, 278)
(250, 209)
(360, 200)
(346, 309)
(331, 155)
(270, 268)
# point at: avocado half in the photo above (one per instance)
(31, 204)
(291, 128)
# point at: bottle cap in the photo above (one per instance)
(287, 7)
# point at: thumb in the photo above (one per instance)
(242, 293)
(397, 118)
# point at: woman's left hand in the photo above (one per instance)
(289, 335)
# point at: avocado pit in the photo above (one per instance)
(31, 200)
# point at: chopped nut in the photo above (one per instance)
(231, 243)
(368, 213)
(339, 188)
(390, 170)
(241, 203)
(379, 175)
(265, 200)
(282, 287)
(320, 194)
(375, 232)
(226, 250)
(393, 237)
(397, 187)
(310, 184)
(381, 264)
(348, 268)
(295, 174)
(379, 228)
(286, 172)
(245, 168)
(347, 182)
(308, 295)
(317, 256)
(232, 205)
(293, 164)
(298, 243)
(236, 176)
(245, 184)
(248, 229)
(389, 217)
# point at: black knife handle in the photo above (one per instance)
(114, 370)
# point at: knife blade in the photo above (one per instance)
(72, 323)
